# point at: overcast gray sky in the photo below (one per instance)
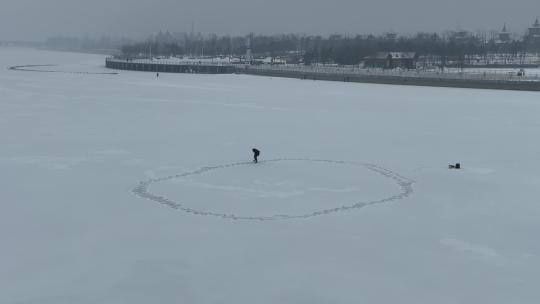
(37, 19)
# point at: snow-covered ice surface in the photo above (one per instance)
(76, 227)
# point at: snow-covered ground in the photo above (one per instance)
(506, 71)
(134, 189)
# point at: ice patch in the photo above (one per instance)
(133, 162)
(110, 152)
(476, 249)
(50, 162)
(480, 170)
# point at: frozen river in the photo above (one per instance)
(129, 188)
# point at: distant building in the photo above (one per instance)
(269, 60)
(504, 35)
(460, 36)
(533, 36)
(534, 31)
(392, 60)
(390, 36)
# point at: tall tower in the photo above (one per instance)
(249, 56)
(192, 40)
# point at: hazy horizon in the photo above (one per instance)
(36, 20)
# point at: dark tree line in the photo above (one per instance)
(338, 49)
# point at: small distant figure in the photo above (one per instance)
(456, 166)
(256, 154)
(157, 74)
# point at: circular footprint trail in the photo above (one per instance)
(34, 68)
(404, 185)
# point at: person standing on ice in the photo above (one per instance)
(255, 155)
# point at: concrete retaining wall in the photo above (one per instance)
(403, 80)
(169, 68)
(522, 85)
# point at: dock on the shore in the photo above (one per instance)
(474, 80)
(477, 80)
(149, 65)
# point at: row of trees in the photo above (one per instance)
(338, 49)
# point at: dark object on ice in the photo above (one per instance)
(255, 154)
(157, 75)
(456, 166)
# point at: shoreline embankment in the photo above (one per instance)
(492, 81)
